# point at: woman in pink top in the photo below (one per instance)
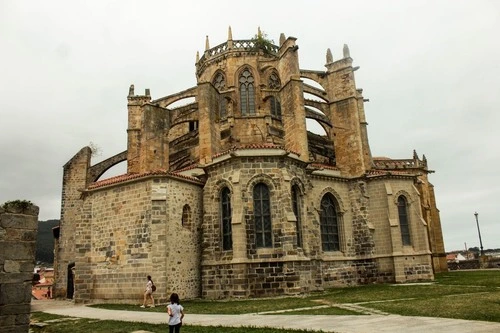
(148, 293)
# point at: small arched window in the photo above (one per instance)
(403, 220)
(227, 233)
(296, 206)
(247, 93)
(186, 216)
(329, 224)
(275, 107)
(262, 216)
(193, 125)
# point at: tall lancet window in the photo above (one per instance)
(403, 220)
(227, 233)
(262, 216)
(329, 224)
(296, 206)
(275, 107)
(247, 93)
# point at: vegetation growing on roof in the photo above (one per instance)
(17, 205)
(262, 42)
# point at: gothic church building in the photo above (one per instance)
(231, 196)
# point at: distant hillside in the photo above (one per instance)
(45, 241)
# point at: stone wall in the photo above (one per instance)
(137, 229)
(18, 230)
(371, 249)
(75, 175)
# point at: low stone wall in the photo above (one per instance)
(466, 264)
(18, 230)
(492, 262)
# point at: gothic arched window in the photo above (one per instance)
(262, 216)
(227, 233)
(275, 107)
(274, 81)
(403, 220)
(329, 224)
(247, 93)
(296, 206)
(219, 82)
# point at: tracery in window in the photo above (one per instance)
(219, 82)
(262, 216)
(247, 93)
(329, 224)
(403, 220)
(227, 234)
(274, 81)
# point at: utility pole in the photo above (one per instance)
(479, 232)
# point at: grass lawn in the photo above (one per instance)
(473, 295)
(235, 306)
(479, 298)
(60, 324)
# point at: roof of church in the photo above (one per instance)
(132, 176)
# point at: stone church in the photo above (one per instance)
(230, 195)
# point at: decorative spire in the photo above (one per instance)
(207, 44)
(131, 90)
(282, 38)
(229, 34)
(415, 156)
(259, 33)
(424, 159)
(329, 57)
(197, 56)
(147, 92)
(347, 54)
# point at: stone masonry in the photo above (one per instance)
(232, 195)
(18, 230)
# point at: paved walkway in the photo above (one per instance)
(337, 324)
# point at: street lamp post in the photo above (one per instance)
(479, 232)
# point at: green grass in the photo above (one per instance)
(485, 278)
(478, 306)
(473, 295)
(67, 324)
(225, 307)
(331, 311)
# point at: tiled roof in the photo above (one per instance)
(131, 176)
(324, 166)
(189, 167)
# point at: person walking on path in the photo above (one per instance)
(149, 293)
(176, 313)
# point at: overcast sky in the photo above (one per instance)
(430, 69)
